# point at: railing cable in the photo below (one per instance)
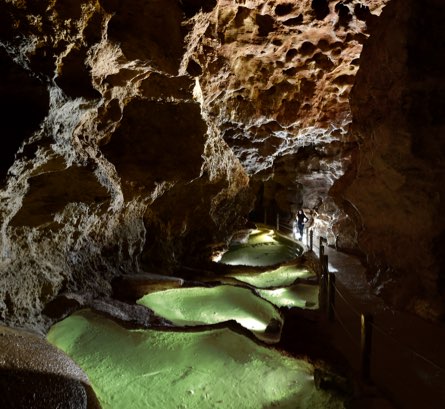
(348, 303)
(376, 327)
(342, 324)
(407, 347)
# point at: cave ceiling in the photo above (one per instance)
(137, 134)
(274, 77)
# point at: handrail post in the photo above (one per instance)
(365, 345)
(321, 247)
(278, 221)
(311, 240)
(331, 296)
(323, 296)
(325, 263)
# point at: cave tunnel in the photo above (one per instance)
(155, 154)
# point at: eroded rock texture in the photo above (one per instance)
(275, 78)
(136, 135)
(35, 374)
(112, 167)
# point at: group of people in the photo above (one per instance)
(298, 224)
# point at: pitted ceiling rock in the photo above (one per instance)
(282, 63)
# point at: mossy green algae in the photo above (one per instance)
(263, 248)
(202, 305)
(281, 277)
(162, 369)
(297, 295)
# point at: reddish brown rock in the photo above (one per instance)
(118, 169)
(149, 127)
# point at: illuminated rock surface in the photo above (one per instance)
(214, 368)
(282, 276)
(116, 170)
(138, 136)
(198, 305)
(298, 295)
(264, 247)
(127, 151)
(203, 305)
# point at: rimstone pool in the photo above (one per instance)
(202, 360)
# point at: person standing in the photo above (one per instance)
(301, 220)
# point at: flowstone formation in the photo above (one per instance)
(160, 368)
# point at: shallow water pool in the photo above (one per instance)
(280, 277)
(170, 370)
(201, 305)
(263, 248)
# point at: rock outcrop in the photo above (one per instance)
(110, 166)
(35, 374)
(275, 78)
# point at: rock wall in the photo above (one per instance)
(395, 188)
(109, 165)
(275, 78)
(137, 133)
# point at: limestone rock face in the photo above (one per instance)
(109, 165)
(396, 182)
(137, 135)
(275, 78)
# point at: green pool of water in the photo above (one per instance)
(142, 369)
(263, 248)
(201, 305)
(280, 277)
(298, 295)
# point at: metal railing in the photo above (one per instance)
(369, 341)
(363, 342)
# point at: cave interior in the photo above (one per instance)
(141, 138)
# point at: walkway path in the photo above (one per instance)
(407, 354)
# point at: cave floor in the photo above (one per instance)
(217, 352)
(273, 309)
(205, 368)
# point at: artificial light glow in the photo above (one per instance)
(252, 324)
(196, 370)
(217, 257)
(202, 305)
(263, 248)
(299, 295)
(277, 292)
(280, 277)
